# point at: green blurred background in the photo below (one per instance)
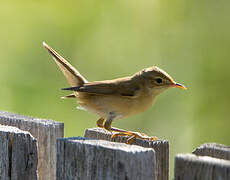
(110, 39)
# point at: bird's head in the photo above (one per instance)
(157, 80)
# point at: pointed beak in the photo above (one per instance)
(177, 85)
(71, 88)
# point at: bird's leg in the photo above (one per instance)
(120, 132)
(100, 122)
(109, 120)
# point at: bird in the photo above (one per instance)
(118, 98)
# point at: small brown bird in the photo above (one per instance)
(118, 98)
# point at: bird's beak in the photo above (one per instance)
(177, 85)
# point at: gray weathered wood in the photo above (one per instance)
(46, 132)
(214, 150)
(84, 159)
(161, 148)
(18, 154)
(192, 167)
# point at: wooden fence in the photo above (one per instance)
(32, 148)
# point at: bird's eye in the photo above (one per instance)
(158, 80)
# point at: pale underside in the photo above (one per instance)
(119, 106)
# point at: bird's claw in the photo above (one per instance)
(133, 136)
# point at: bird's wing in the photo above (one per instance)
(112, 87)
(72, 75)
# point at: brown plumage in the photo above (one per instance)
(118, 98)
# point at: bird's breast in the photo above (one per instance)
(123, 106)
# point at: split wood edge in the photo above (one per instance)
(18, 154)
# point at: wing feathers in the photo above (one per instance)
(104, 88)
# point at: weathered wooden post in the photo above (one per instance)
(161, 148)
(192, 167)
(46, 132)
(18, 154)
(210, 162)
(85, 159)
(213, 150)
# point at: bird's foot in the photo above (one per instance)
(133, 135)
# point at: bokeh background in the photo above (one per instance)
(110, 39)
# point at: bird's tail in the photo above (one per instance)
(72, 75)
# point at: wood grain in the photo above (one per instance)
(192, 167)
(46, 132)
(18, 154)
(213, 150)
(84, 159)
(161, 148)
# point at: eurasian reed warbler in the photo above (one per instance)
(117, 98)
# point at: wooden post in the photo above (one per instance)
(84, 159)
(46, 132)
(18, 154)
(190, 167)
(161, 148)
(214, 150)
